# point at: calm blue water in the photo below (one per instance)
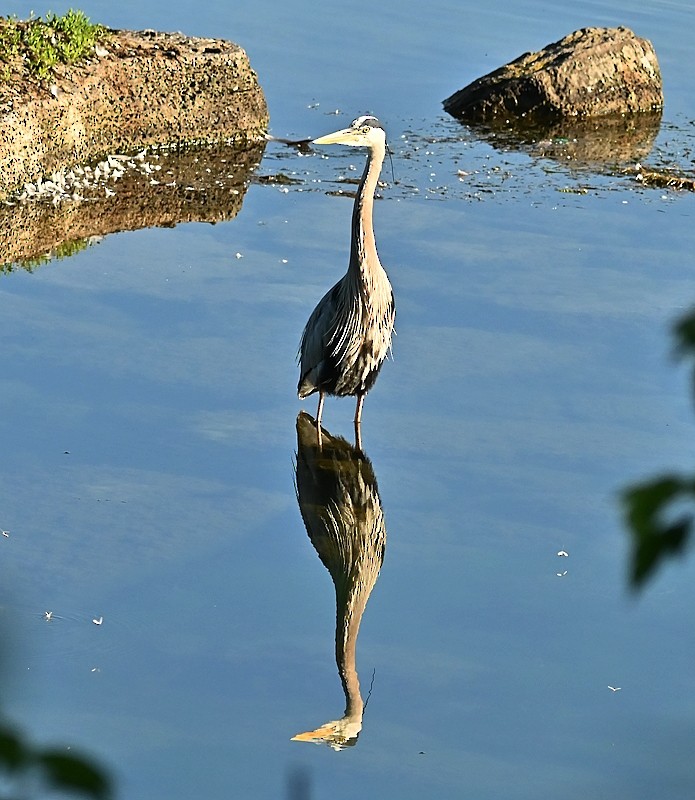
(148, 411)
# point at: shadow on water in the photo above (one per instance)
(158, 189)
(339, 502)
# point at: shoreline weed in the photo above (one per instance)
(39, 44)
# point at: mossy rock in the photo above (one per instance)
(132, 90)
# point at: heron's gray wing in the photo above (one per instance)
(316, 338)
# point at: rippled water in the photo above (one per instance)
(151, 456)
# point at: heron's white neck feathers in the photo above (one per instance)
(364, 259)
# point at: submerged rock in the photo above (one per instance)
(592, 72)
(139, 89)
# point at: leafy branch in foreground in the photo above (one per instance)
(56, 769)
(658, 525)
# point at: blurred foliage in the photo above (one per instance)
(25, 766)
(658, 521)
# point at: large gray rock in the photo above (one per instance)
(591, 72)
(139, 89)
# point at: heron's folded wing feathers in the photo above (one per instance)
(316, 338)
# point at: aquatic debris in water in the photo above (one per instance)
(665, 178)
(84, 182)
(279, 179)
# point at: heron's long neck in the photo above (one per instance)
(349, 612)
(363, 255)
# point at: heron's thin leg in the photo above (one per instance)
(319, 410)
(358, 436)
(358, 409)
(358, 422)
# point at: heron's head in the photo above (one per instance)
(365, 131)
(337, 735)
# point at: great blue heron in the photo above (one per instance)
(348, 334)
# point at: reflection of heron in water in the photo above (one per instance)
(339, 502)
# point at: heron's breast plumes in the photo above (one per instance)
(361, 343)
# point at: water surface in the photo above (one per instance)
(148, 417)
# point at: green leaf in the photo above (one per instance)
(13, 753)
(74, 773)
(653, 536)
(684, 331)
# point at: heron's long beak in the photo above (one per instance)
(324, 732)
(344, 136)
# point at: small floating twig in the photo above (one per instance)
(661, 177)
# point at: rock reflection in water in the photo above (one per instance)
(339, 503)
(593, 142)
(195, 184)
